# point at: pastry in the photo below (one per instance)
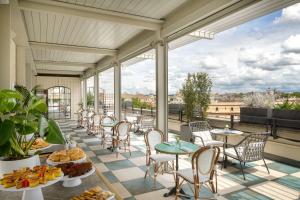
(75, 169)
(65, 156)
(93, 194)
(27, 177)
(39, 143)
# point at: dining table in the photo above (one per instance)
(112, 126)
(176, 148)
(225, 133)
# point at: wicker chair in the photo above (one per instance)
(202, 135)
(203, 171)
(96, 127)
(83, 118)
(106, 132)
(145, 123)
(122, 136)
(153, 137)
(249, 149)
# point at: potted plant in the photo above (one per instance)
(22, 115)
(287, 114)
(196, 95)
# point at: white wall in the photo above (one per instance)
(46, 82)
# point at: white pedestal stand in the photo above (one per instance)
(75, 181)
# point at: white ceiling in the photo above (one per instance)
(148, 8)
(58, 28)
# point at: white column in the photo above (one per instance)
(117, 90)
(5, 47)
(84, 94)
(96, 91)
(21, 65)
(162, 87)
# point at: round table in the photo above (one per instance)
(111, 125)
(225, 133)
(174, 148)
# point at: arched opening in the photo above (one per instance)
(59, 102)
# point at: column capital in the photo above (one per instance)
(160, 42)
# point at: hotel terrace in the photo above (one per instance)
(75, 51)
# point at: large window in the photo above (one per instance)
(59, 102)
(106, 92)
(259, 58)
(138, 92)
(90, 93)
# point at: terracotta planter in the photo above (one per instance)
(8, 166)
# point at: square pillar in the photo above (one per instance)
(162, 87)
(96, 92)
(117, 90)
(6, 48)
(84, 94)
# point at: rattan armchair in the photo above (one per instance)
(153, 137)
(249, 149)
(145, 123)
(122, 136)
(203, 171)
(202, 135)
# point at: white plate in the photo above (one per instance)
(50, 162)
(32, 151)
(66, 178)
(14, 189)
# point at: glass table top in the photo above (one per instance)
(176, 148)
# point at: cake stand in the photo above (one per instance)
(75, 181)
(34, 193)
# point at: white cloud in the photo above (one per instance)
(289, 15)
(292, 44)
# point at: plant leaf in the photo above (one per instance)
(43, 125)
(5, 149)
(25, 93)
(10, 94)
(39, 106)
(54, 134)
(15, 145)
(7, 128)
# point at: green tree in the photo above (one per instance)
(189, 98)
(202, 86)
(196, 94)
(90, 99)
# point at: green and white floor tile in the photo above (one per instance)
(126, 174)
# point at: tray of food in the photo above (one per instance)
(76, 170)
(39, 145)
(75, 155)
(96, 193)
(28, 179)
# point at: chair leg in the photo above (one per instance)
(266, 166)
(197, 190)
(177, 189)
(242, 169)
(147, 171)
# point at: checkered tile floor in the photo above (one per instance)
(126, 173)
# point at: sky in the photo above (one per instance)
(260, 54)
